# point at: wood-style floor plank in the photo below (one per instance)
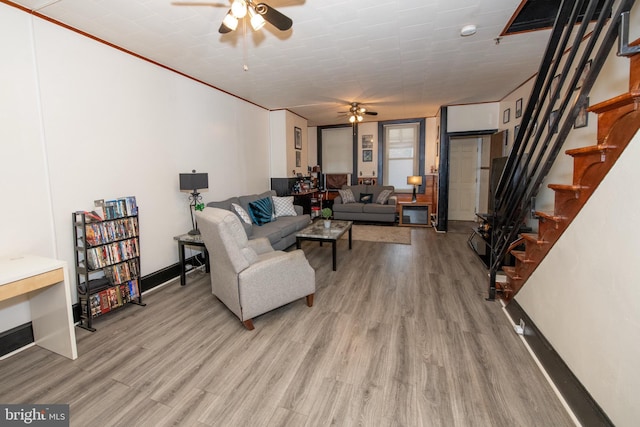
(398, 335)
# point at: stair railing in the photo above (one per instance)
(553, 106)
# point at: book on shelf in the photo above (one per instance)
(133, 289)
(105, 306)
(114, 298)
(120, 208)
(124, 293)
(95, 305)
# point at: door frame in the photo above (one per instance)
(477, 141)
(443, 167)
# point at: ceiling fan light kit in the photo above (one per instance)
(239, 8)
(259, 14)
(230, 21)
(257, 21)
(356, 113)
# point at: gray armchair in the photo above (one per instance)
(248, 276)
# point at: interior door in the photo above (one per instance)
(463, 173)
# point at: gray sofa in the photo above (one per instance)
(281, 232)
(369, 211)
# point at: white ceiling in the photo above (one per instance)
(401, 58)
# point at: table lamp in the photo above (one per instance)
(193, 182)
(416, 181)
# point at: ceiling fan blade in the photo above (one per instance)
(371, 113)
(275, 18)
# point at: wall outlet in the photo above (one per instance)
(519, 328)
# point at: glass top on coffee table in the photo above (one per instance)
(317, 230)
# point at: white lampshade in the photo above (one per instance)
(414, 180)
(239, 8)
(230, 21)
(352, 119)
(257, 21)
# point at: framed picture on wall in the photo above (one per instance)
(298, 159)
(583, 76)
(518, 108)
(506, 115)
(297, 133)
(367, 142)
(554, 85)
(367, 155)
(582, 119)
(553, 117)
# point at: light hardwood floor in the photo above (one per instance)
(398, 335)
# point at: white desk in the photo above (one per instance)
(46, 283)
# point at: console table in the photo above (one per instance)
(46, 283)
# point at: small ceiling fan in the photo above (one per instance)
(356, 112)
(258, 13)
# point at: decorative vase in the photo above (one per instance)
(327, 223)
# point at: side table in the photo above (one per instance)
(190, 240)
(415, 214)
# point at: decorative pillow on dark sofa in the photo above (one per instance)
(347, 196)
(261, 211)
(366, 198)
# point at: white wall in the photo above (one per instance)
(86, 121)
(312, 146)
(462, 118)
(26, 220)
(585, 297)
(283, 151)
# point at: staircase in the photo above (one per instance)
(618, 122)
(580, 36)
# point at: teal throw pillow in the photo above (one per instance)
(261, 211)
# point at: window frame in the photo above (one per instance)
(421, 149)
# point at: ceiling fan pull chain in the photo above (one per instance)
(245, 55)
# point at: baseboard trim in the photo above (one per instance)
(581, 403)
(22, 335)
(16, 338)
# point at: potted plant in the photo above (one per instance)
(326, 214)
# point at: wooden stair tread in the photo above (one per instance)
(566, 187)
(619, 101)
(582, 151)
(549, 216)
(511, 273)
(521, 256)
(532, 237)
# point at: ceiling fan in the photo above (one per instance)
(258, 13)
(356, 112)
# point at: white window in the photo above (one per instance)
(401, 154)
(337, 150)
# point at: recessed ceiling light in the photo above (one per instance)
(468, 30)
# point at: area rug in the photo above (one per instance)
(381, 234)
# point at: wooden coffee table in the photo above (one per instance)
(318, 233)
